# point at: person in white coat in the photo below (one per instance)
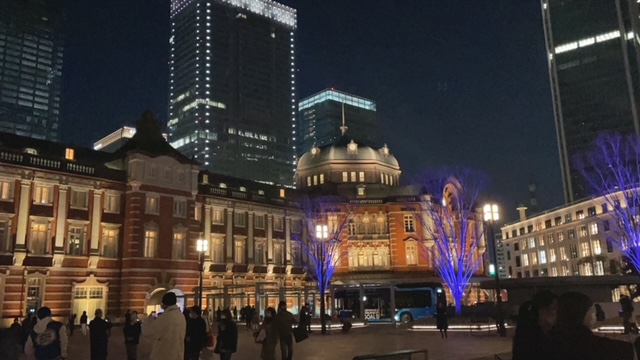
(167, 331)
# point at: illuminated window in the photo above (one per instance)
(152, 204)
(315, 180)
(409, 225)
(109, 242)
(260, 255)
(345, 176)
(6, 190)
(321, 178)
(308, 181)
(177, 247)
(238, 256)
(411, 249)
(585, 249)
(222, 186)
(563, 254)
(543, 257)
(77, 234)
(582, 231)
(560, 236)
(532, 243)
(534, 258)
(597, 247)
(150, 241)
(525, 260)
(552, 255)
(593, 228)
(42, 194)
(361, 176)
(112, 203)
(282, 193)
(278, 223)
(278, 252)
(217, 216)
(353, 176)
(69, 154)
(217, 249)
(38, 238)
(180, 208)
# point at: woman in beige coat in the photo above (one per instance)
(167, 331)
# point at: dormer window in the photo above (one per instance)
(205, 178)
(69, 154)
(260, 192)
(361, 190)
(352, 148)
(30, 151)
(222, 186)
(243, 189)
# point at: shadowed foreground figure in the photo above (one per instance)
(572, 336)
(536, 318)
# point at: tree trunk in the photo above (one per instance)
(323, 321)
(457, 298)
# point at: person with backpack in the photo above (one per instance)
(48, 339)
(227, 340)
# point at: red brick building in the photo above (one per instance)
(83, 229)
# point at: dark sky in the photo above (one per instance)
(457, 82)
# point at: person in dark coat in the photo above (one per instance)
(442, 323)
(572, 336)
(131, 331)
(536, 318)
(626, 312)
(72, 323)
(227, 339)
(99, 331)
(599, 313)
(84, 319)
(196, 336)
(284, 322)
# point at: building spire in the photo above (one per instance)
(344, 127)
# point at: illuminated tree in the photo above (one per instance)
(453, 229)
(611, 168)
(321, 243)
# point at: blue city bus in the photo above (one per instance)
(413, 301)
(417, 301)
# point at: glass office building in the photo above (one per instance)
(593, 50)
(232, 86)
(31, 48)
(320, 119)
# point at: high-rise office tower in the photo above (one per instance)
(320, 119)
(232, 86)
(31, 46)
(593, 50)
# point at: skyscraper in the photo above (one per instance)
(31, 47)
(320, 119)
(232, 86)
(593, 50)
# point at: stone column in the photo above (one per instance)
(269, 239)
(229, 237)
(96, 219)
(23, 215)
(287, 239)
(207, 224)
(61, 219)
(250, 247)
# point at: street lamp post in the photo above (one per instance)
(202, 246)
(322, 234)
(491, 215)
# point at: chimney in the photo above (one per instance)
(522, 210)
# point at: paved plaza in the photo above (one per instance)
(373, 339)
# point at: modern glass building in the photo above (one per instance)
(593, 50)
(232, 86)
(31, 48)
(320, 119)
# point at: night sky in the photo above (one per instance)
(461, 83)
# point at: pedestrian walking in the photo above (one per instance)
(166, 332)
(48, 338)
(196, 335)
(599, 313)
(308, 318)
(626, 312)
(235, 313)
(72, 323)
(536, 318)
(284, 325)
(267, 335)
(227, 339)
(572, 336)
(248, 316)
(99, 331)
(131, 331)
(84, 319)
(218, 313)
(442, 323)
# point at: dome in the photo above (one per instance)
(347, 152)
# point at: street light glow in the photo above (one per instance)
(491, 212)
(202, 245)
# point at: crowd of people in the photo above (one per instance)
(559, 327)
(171, 334)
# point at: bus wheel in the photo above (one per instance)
(405, 318)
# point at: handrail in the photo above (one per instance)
(397, 355)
